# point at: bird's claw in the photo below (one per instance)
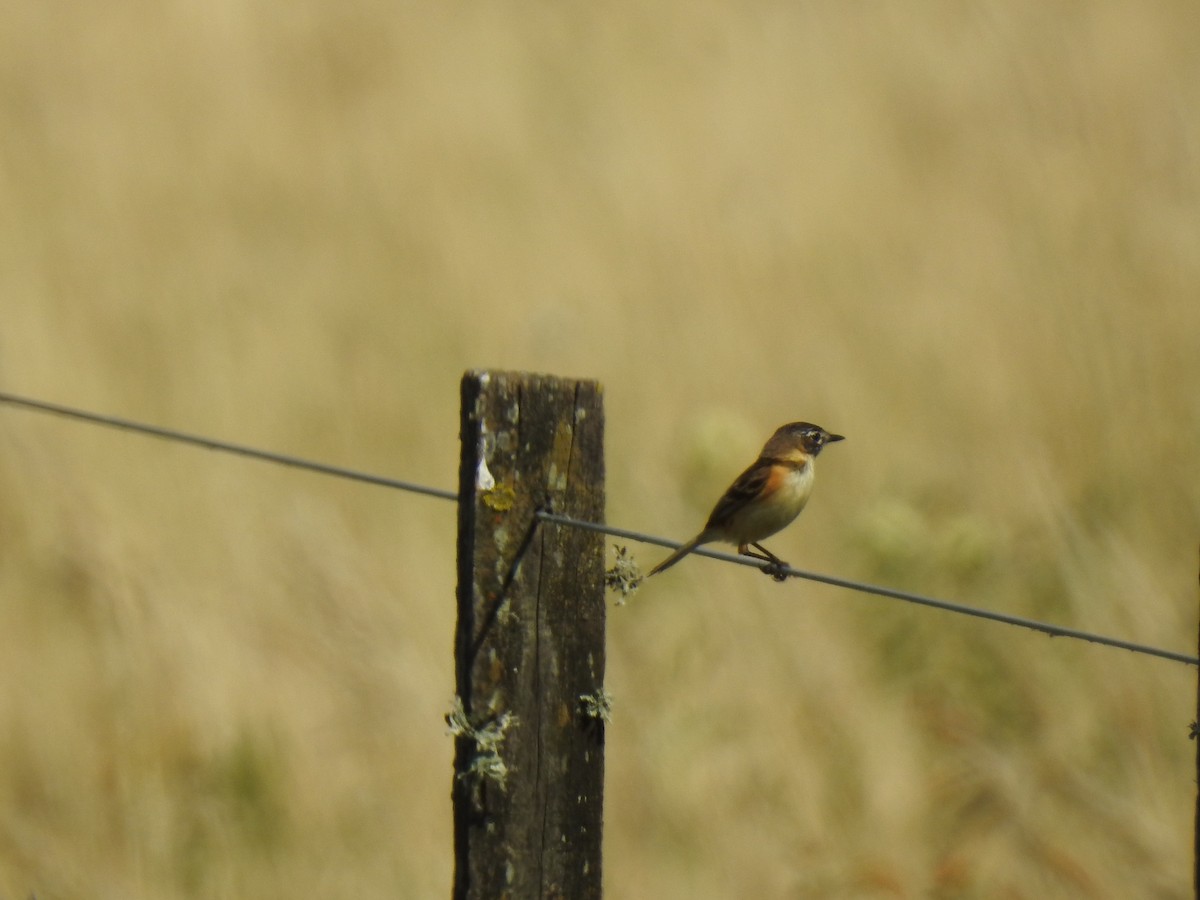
(777, 570)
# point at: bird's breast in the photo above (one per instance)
(784, 497)
(794, 486)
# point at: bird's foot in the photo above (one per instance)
(775, 567)
(777, 570)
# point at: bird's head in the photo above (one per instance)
(802, 436)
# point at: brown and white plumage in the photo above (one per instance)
(765, 498)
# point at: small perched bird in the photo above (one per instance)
(765, 498)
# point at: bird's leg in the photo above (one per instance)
(774, 565)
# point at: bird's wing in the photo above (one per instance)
(749, 486)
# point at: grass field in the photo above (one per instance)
(965, 236)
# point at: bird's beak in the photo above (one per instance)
(830, 438)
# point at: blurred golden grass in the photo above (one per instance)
(966, 237)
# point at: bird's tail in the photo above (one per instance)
(702, 538)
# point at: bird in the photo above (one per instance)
(764, 499)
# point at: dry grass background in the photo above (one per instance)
(966, 236)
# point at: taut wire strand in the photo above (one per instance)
(225, 447)
(890, 593)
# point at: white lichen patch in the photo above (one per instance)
(486, 764)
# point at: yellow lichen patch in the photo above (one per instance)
(556, 478)
(500, 498)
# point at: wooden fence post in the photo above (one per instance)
(529, 749)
